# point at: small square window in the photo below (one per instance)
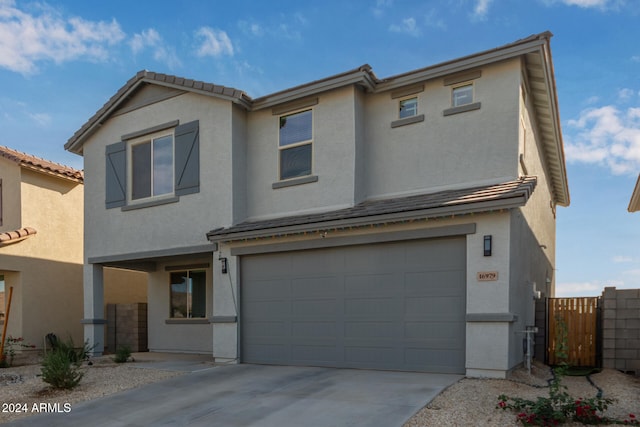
(408, 108)
(295, 144)
(462, 95)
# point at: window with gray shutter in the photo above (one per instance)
(187, 158)
(116, 173)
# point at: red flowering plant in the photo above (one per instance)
(559, 407)
(11, 345)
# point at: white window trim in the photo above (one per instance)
(408, 98)
(141, 140)
(297, 144)
(461, 85)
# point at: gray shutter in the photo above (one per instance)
(116, 175)
(187, 158)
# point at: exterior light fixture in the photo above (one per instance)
(487, 245)
(223, 265)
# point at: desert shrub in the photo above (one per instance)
(61, 366)
(122, 354)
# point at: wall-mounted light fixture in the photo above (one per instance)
(487, 245)
(223, 265)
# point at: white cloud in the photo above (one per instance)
(622, 259)
(585, 289)
(41, 119)
(481, 9)
(150, 38)
(381, 6)
(214, 42)
(589, 4)
(408, 26)
(626, 94)
(27, 39)
(606, 136)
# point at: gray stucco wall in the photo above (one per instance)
(182, 224)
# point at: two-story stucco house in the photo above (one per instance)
(41, 254)
(40, 247)
(404, 223)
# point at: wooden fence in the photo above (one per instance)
(574, 322)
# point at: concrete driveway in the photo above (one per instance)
(257, 395)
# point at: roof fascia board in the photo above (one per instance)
(634, 204)
(458, 65)
(360, 76)
(558, 154)
(463, 209)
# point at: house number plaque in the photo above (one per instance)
(487, 276)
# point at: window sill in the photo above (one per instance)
(150, 203)
(461, 109)
(295, 181)
(407, 121)
(198, 321)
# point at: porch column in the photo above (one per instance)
(225, 308)
(94, 320)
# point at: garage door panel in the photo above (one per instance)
(398, 306)
(434, 308)
(371, 284)
(304, 308)
(326, 355)
(315, 329)
(269, 289)
(372, 329)
(434, 330)
(268, 310)
(311, 287)
(434, 283)
(268, 329)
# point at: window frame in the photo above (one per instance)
(187, 272)
(296, 144)
(150, 139)
(415, 108)
(454, 88)
(3, 291)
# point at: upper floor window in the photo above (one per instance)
(163, 160)
(152, 167)
(408, 107)
(295, 144)
(462, 95)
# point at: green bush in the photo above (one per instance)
(122, 354)
(61, 366)
(59, 371)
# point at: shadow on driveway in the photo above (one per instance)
(257, 395)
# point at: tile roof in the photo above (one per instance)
(485, 198)
(17, 235)
(41, 165)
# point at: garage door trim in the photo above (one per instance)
(425, 233)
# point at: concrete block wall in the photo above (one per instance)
(621, 329)
(127, 325)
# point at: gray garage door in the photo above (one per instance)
(398, 306)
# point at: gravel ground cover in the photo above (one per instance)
(472, 402)
(469, 402)
(21, 387)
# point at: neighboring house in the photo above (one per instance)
(41, 253)
(634, 204)
(405, 223)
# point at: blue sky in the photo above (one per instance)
(60, 61)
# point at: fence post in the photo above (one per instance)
(609, 306)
